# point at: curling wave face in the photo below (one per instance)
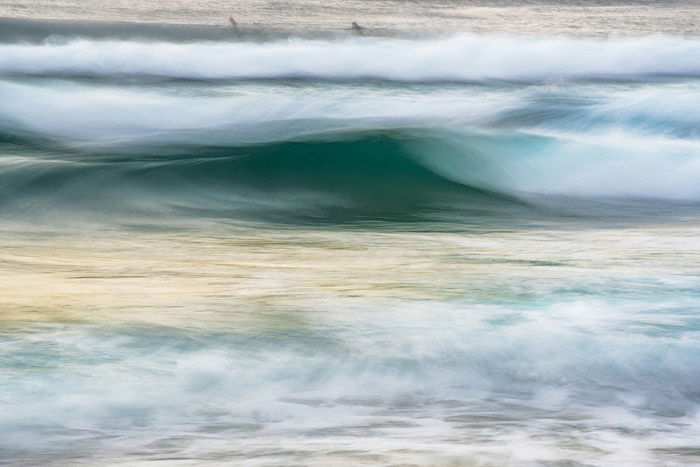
(237, 145)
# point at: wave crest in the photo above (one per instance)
(460, 58)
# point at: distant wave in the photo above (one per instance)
(461, 58)
(16, 30)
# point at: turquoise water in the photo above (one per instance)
(430, 245)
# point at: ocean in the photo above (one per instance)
(464, 234)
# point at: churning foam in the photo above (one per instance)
(464, 57)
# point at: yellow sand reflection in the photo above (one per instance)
(237, 276)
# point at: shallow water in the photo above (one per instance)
(285, 248)
(330, 345)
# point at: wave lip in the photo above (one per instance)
(460, 58)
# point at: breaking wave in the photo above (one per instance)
(460, 58)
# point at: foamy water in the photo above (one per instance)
(345, 346)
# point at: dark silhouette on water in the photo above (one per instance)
(357, 29)
(234, 25)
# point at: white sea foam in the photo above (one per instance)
(608, 164)
(464, 57)
(245, 115)
(529, 369)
